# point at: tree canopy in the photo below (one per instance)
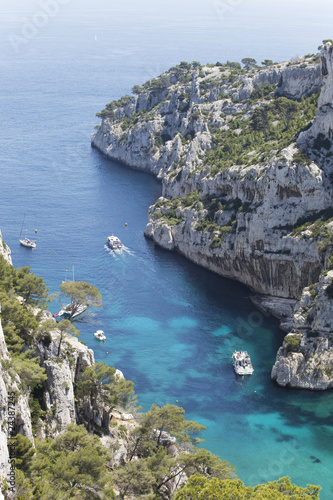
(249, 62)
(267, 62)
(80, 293)
(20, 293)
(71, 466)
(158, 467)
(201, 488)
(170, 419)
(31, 288)
(102, 385)
(65, 327)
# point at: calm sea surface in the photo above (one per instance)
(171, 327)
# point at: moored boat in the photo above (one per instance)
(66, 312)
(99, 335)
(26, 242)
(242, 363)
(114, 242)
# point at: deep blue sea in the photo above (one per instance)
(171, 327)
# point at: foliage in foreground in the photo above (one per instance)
(200, 488)
(21, 292)
(151, 469)
(71, 466)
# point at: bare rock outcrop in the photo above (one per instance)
(62, 372)
(5, 250)
(306, 358)
(320, 134)
(15, 414)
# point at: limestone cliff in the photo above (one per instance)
(322, 127)
(4, 456)
(63, 371)
(14, 409)
(245, 161)
(5, 250)
(57, 399)
(306, 358)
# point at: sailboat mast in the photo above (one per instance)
(24, 225)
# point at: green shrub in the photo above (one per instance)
(292, 343)
(216, 243)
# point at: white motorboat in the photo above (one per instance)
(99, 335)
(26, 242)
(114, 242)
(242, 363)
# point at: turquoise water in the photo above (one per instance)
(171, 327)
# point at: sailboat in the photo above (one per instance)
(26, 242)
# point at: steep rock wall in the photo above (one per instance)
(4, 456)
(257, 250)
(323, 124)
(63, 372)
(15, 414)
(309, 365)
(5, 250)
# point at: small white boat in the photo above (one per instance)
(25, 241)
(114, 242)
(99, 335)
(242, 363)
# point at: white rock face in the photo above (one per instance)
(323, 123)
(5, 250)
(311, 366)
(14, 410)
(296, 81)
(62, 372)
(4, 465)
(258, 252)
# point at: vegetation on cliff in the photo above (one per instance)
(21, 293)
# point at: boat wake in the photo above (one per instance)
(128, 251)
(117, 253)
